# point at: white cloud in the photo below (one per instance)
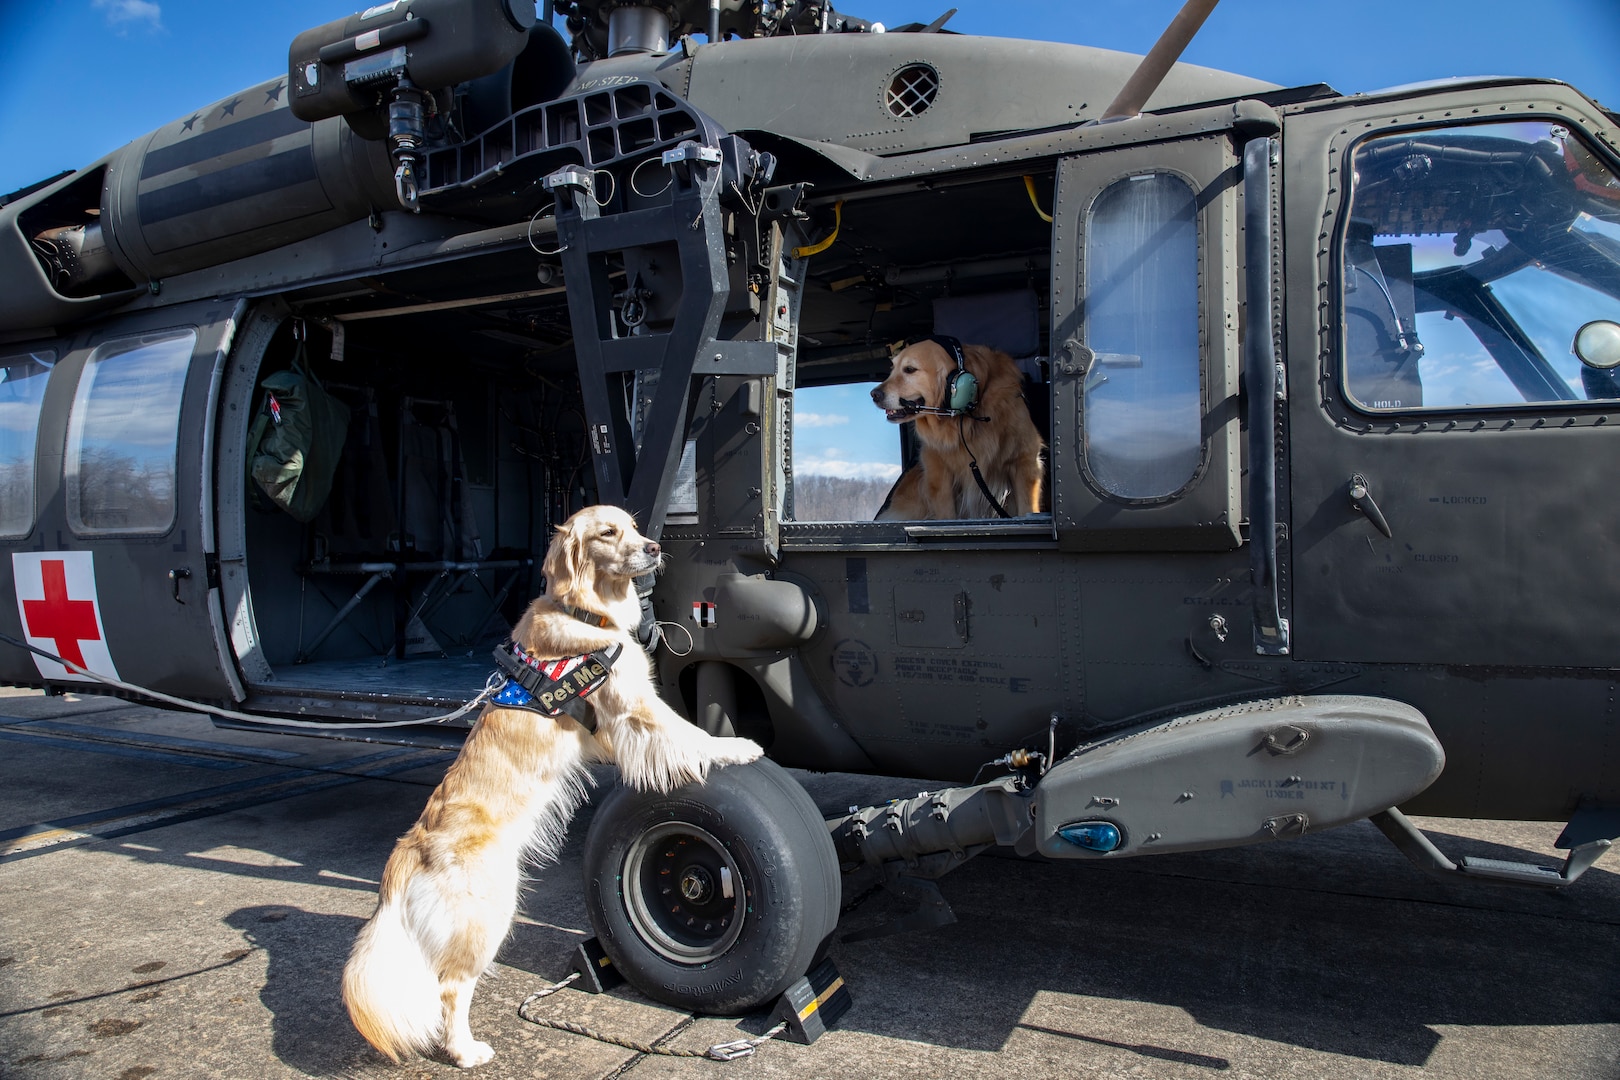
(812, 419)
(123, 14)
(845, 470)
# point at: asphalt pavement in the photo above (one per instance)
(178, 900)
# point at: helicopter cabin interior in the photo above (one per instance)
(466, 439)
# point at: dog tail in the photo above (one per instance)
(390, 989)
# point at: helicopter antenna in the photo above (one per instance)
(1157, 63)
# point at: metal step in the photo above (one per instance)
(1428, 858)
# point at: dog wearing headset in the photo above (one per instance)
(980, 453)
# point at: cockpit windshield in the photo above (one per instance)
(1471, 257)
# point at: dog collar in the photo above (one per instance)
(589, 617)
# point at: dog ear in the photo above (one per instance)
(580, 564)
(560, 562)
(941, 371)
(981, 361)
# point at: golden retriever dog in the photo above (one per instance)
(450, 888)
(995, 432)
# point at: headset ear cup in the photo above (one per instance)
(961, 391)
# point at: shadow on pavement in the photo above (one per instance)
(1332, 943)
(310, 1031)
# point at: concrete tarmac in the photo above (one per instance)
(178, 901)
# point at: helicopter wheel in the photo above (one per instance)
(713, 897)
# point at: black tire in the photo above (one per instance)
(657, 871)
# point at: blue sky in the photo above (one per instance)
(82, 77)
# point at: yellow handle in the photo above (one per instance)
(817, 249)
(1029, 186)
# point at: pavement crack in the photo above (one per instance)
(663, 1040)
(145, 984)
(43, 838)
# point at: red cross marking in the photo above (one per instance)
(67, 622)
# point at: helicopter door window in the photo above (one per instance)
(123, 435)
(1143, 416)
(22, 391)
(1471, 256)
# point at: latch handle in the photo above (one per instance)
(1361, 499)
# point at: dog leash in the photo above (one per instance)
(491, 685)
(728, 1051)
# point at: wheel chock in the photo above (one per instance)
(808, 1007)
(597, 975)
(812, 1005)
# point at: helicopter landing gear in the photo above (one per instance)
(713, 897)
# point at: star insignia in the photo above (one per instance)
(274, 93)
(186, 125)
(229, 108)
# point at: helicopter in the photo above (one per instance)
(1324, 382)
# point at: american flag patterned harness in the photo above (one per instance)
(552, 687)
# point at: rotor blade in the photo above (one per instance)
(1157, 63)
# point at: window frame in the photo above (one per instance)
(1206, 514)
(1339, 378)
(50, 357)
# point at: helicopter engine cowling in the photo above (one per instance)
(257, 170)
(242, 176)
(236, 184)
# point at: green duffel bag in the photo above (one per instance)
(296, 440)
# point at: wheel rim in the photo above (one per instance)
(685, 893)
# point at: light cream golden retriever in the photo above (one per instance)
(996, 432)
(451, 886)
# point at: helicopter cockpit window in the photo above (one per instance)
(123, 435)
(1471, 257)
(22, 391)
(1143, 413)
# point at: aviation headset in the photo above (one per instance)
(962, 387)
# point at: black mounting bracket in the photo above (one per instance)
(637, 449)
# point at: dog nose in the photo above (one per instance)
(652, 548)
(877, 395)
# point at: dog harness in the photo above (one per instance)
(554, 687)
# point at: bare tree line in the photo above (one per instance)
(836, 498)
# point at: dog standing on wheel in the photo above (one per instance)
(450, 888)
(980, 452)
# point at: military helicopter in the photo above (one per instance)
(1326, 383)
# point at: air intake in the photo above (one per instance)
(911, 91)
